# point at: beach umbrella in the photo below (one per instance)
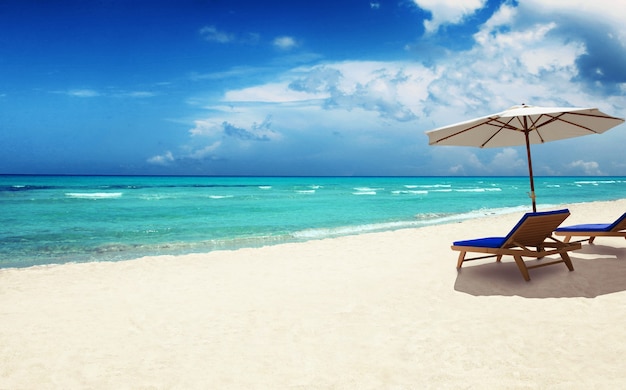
(524, 125)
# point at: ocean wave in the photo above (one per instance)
(364, 193)
(428, 186)
(305, 191)
(596, 182)
(410, 192)
(321, 233)
(421, 220)
(157, 197)
(265, 187)
(441, 218)
(496, 189)
(94, 195)
(18, 187)
(220, 196)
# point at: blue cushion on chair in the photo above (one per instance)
(588, 227)
(487, 242)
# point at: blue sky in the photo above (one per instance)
(343, 87)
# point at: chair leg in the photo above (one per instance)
(567, 238)
(522, 267)
(567, 260)
(591, 239)
(498, 258)
(461, 259)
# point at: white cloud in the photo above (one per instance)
(205, 151)
(285, 43)
(212, 34)
(270, 93)
(505, 162)
(86, 93)
(529, 50)
(164, 159)
(508, 160)
(391, 89)
(591, 168)
(208, 128)
(89, 93)
(608, 12)
(447, 11)
(222, 136)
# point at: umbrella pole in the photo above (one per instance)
(530, 167)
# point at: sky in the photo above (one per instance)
(300, 88)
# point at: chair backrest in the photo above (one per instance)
(619, 224)
(534, 228)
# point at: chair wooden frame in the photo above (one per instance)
(614, 229)
(531, 237)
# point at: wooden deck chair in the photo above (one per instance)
(531, 237)
(593, 230)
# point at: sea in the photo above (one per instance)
(60, 219)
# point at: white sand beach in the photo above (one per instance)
(373, 311)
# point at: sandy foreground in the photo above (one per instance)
(374, 311)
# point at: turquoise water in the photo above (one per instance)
(59, 219)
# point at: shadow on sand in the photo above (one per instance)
(598, 270)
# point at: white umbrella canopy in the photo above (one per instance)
(524, 125)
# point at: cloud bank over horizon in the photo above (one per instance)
(509, 63)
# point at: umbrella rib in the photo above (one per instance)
(580, 126)
(533, 125)
(502, 125)
(558, 118)
(460, 132)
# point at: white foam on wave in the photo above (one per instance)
(411, 192)
(484, 212)
(366, 190)
(314, 234)
(265, 187)
(305, 191)
(94, 195)
(220, 196)
(156, 197)
(428, 186)
(496, 189)
(420, 220)
(596, 182)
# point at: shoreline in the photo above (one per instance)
(373, 310)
